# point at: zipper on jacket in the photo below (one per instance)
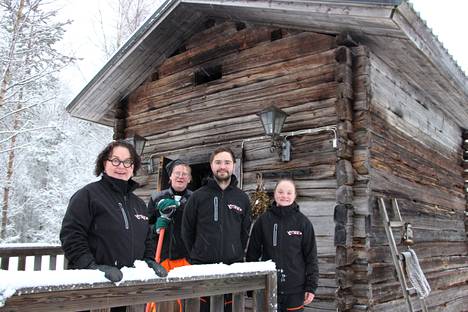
(275, 234)
(215, 209)
(124, 215)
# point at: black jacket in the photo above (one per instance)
(286, 236)
(106, 223)
(173, 247)
(216, 223)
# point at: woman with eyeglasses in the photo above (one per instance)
(106, 225)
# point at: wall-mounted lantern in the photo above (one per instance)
(272, 119)
(139, 143)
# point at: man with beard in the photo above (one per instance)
(216, 220)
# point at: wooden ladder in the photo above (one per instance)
(397, 222)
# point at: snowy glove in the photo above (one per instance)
(161, 223)
(157, 268)
(112, 273)
(167, 206)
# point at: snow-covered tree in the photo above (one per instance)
(115, 28)
(60, 162)
(29, 63)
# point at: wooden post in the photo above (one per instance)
(192, 304)
(5, 262)
(217, 303)
(238, 302)
(37, 263)
(343, 214)
(271, 292)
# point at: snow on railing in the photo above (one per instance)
(75, 290)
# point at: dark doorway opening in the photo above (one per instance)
(199, 174)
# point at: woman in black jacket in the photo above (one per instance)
(106, 226)
(286, 236)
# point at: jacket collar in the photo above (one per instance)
(212, 183)
(284, 211)
(120, 186)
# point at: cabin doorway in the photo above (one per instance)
(200, 172)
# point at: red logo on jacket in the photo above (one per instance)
(235, 207)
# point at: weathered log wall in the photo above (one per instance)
(259, 66)
(405, 148)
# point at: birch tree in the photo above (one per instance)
(28, 65)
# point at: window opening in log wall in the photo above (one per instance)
(207, 74)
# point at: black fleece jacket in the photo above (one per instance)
(173, 247)
(107, 224)
(216, 223)
(286, 236)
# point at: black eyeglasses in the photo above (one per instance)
(127, 163)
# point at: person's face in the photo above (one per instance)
(120, 171)
(222, 166)
(180, 178)
(285, 193)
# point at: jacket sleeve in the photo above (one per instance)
(74, 232)
(309, 248)
(153, 213)
(189, 222)
(246, 223)
(149, 245)
(254, 250)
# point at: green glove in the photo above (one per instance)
(167, 207)
(161, 223)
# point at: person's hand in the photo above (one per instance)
(157, 268)
(167, 206)
(308, 297)
(112, 273)
(161, 223)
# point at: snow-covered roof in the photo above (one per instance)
(391, 29)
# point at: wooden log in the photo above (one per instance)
(344, 172)
(344, 109)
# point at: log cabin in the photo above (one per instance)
(377, 108)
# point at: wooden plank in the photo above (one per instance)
(22, 263)
(238, 302)
(192, 304)
(53, 263)
(217, 303)
(37, 263)
(5, 262)
(80, 297)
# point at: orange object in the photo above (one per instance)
(157, 257)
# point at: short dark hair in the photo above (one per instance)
(222, 149)
(107, 151)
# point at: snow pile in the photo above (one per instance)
(220, 268)
(11, 281)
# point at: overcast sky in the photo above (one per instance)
(447, 19)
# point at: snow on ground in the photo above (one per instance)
(11, 281)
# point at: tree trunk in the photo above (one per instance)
(9, 176)
(6, 76)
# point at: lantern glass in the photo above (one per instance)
(138, 143)
(272, 119)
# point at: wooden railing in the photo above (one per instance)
(135, 294)
(22, 252)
